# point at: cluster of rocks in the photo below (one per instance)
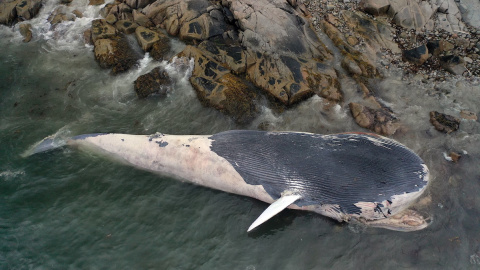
(239, 48)
(415, 23)
(244, 47)
(426, 38)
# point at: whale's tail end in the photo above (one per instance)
(49, 143)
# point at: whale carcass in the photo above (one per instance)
(349, 176)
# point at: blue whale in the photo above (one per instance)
(359, 177)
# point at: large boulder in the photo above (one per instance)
(232, 56)
(27, 9)
(217, 87)
(271, 42)
(275, 27)
(146, 37)
(156, 82)
(470, 10)
(173, 14)
(141, 19)
(410, 14)
(102, 30)
(115, 53)
(126, 26)
(12, 11)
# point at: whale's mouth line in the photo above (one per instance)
(407, 221)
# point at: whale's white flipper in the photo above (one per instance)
(274, 209)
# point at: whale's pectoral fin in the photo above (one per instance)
(275, 208)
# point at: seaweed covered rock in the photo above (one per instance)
(156, 82)
(161, 48)
(380, 120)
(444, 122)
(115, 53)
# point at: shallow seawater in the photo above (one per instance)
(69, 209)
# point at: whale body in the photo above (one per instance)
(348, 176)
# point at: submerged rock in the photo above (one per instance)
(26, 31)
(377, 120)
(155, 82)
(60, 15)
(444, 122)
(468, 115)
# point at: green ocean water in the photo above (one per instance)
(68, 209)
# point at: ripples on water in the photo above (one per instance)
(69, 209)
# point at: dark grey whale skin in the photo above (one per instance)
(340, 169)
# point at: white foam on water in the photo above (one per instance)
(10, 175)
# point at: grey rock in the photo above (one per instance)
(470, 10)
(115, 53)
(410, 14)
(375, 7)
(449, 17)
(453, 64)
(351, 66)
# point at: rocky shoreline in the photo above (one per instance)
(243, 49)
